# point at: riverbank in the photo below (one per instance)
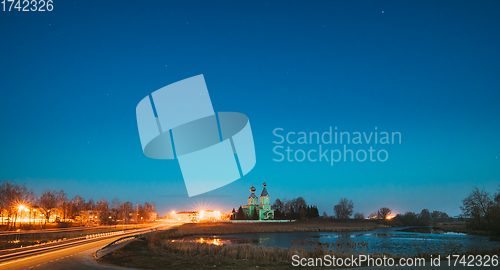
(158, 250)
(164, 248)
(299, 226)
(142, 255)
(459, 228)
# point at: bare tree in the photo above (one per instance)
(30, 201)
(126, 211)
(18, 199)
(298, 203)
(477, 207)
(102, 207)
(497, 198)
(47, 202)
(136, 215)
(359, 216)
(3, 198)
(115, 211)
(62, 203)
(424, 217)
(89, 208)
(437, 215)
(10, 194)
(384, 212)
(344, 208)
(77, 208)
(279, 209)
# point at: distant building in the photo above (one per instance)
(185, 216)
(196, 216)
(261, 204)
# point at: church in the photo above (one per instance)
(261, 204)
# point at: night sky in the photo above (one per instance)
(71, 79)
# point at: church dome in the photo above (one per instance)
(264, 191)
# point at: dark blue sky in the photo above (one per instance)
(71, 78)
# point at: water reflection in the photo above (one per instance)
(213, 240)
(407, 241)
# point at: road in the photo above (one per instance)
(71, 257)
(71, 229)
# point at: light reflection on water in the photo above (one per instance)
(214, 240)
(381, 240)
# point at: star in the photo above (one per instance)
(382, 11)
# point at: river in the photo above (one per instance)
(391, 240)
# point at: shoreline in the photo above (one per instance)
(223, 228)
(160, 249)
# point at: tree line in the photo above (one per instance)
(18, 201)
(424, 218)
(294, 209)
(345, 209)
(482, 211)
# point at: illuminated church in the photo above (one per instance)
(261, 204)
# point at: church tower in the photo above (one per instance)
(264, 199)
(252, 199)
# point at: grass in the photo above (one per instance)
(188, 255)
(458, 228)
(236, 228)
(141, 255)
(159, 251)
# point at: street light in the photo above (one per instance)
(21, 208)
